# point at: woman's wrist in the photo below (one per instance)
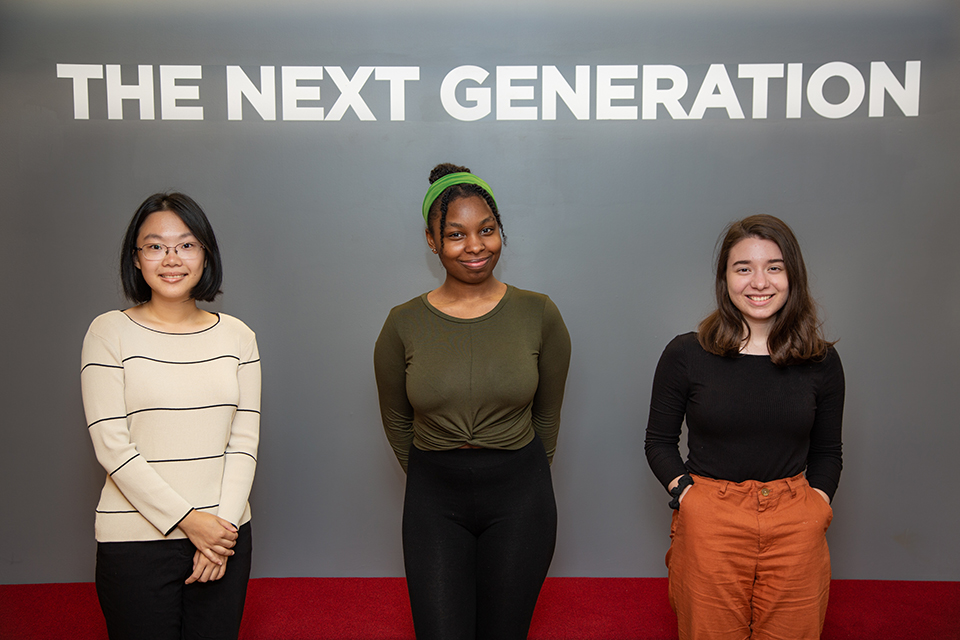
(676, 492)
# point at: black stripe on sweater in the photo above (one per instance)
(209, 406)
(212, 506)
(123, 465)
(178, 362)
(97, 364)
(243, 453)
(220, 455)
(106, 420)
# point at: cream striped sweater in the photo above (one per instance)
(175, 422)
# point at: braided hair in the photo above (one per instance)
(455, 192)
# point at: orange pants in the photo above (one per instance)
(750, 560)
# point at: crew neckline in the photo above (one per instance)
(173, 333)
(487, 315)
(737, 355)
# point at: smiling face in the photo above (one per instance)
(471, 240)
(757, 280)
(171, 278)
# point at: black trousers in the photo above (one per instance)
(479, 530)
(143, 597)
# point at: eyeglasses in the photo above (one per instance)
(156, 251)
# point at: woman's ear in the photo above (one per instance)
(430, 241)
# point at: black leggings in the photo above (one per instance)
(479, 530)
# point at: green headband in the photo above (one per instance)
(449, 180)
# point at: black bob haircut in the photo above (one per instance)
(186, 208)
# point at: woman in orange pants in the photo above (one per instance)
(761, 392)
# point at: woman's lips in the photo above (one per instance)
(479, 263)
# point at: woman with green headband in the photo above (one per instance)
(471, 378)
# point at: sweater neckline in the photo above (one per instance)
(171, 333)
(738, 356)
(486, 316)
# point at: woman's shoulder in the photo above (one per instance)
(109, 324)
(525, 294)
(530, 299)
(412, 313)
(413, 306)
(683, 349)
(234, 324)
(685, 343)
(829, 363)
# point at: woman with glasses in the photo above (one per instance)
(761, 392)
(172, 398)
(471, 378)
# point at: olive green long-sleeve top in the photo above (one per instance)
(491, 381)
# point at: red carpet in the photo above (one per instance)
(569, 609)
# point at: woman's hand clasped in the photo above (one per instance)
(213, 536)
(206, 571)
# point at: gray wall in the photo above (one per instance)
(615, 219)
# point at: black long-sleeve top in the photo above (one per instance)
(747, 418)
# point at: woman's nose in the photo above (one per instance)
(171, 257)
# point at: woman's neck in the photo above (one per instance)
(463, 300)
(755, 344)
(458, 290)
(174, 317)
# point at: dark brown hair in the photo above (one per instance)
(796, 334)
(454, 192)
